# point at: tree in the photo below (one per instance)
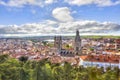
(23, 58)
(42, 71)
(23, 75)
(9, 69)
(117, 72)
(3, 57)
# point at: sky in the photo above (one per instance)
(59, 17)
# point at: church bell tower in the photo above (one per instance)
(77, 44)
(58, 43)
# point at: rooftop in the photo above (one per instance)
(108, 58)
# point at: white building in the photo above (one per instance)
(86, 61)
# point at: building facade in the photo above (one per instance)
(100, 60)
(77, 45)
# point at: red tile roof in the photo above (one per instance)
(102, 58)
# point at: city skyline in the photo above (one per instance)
(59, 17)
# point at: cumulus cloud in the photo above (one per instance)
(62, 14)
(54, 27)
(101, 3)
(21, 3)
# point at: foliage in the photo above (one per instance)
(13, 69)
(23, 58)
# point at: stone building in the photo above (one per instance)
(58, 43)
(63, 52)
(77, 44)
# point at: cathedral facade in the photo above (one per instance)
(77, 45)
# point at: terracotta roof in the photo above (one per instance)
(102, 58)
(83, 57)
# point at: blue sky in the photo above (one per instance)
(17, 16)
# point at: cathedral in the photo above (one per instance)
(77, 45)
(58, 43)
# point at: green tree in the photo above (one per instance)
(3, 57)
(23, 58)
(23, 74)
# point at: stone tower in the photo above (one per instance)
(58, 43)
(77, 44)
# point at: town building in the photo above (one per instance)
(117, 41)
(100, 60)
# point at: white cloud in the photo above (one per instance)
(41, 3)
(21, 3)
(62, 14)
(101, 3)
(50, 27)
(50, 1)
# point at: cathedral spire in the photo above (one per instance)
(77, 32)
(77, 37)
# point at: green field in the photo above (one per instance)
(95, 36)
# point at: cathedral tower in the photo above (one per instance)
(58, 43)
(77, 44)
